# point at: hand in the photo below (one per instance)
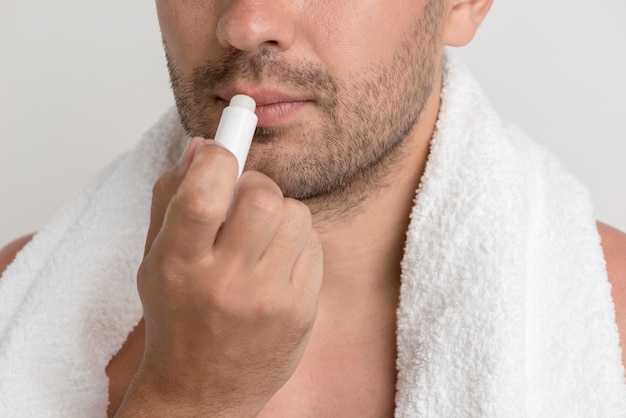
(229, 291)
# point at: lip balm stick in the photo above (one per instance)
(236, 127)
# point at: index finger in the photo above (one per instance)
(165, 188)
(196, 211)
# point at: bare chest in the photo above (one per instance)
(336, 381)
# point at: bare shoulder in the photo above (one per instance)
(614, 247)
(8, 253)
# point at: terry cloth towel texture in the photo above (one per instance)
(505, 309)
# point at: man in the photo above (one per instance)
(277, 294)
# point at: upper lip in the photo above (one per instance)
(262, 96)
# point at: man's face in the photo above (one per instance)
(339, 84)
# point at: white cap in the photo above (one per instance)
(244, 101)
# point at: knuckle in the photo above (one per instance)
(298, 212)
(264, 201)
(164, 272)
(163, 188)
(220, 300)
(265, 308)
(272, 307)
(254, 179)
(301, 319)
(197, 207)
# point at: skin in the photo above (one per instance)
(265, 312)
(343, 86)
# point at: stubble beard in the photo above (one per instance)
(357, 141)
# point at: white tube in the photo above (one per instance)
(236, 127)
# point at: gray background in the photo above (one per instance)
(81, 80)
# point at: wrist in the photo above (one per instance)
(154, 396)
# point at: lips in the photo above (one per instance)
(274, 108)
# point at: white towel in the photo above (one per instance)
(505, 303)
(505, 306)
(69, 300)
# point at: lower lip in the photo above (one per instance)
(275, 114)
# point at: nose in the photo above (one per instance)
(250, 25)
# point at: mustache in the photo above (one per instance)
(264, 66)
(196, 94)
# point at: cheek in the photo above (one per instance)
(188, 30)
(354, 36)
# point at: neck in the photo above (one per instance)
(363, 247)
